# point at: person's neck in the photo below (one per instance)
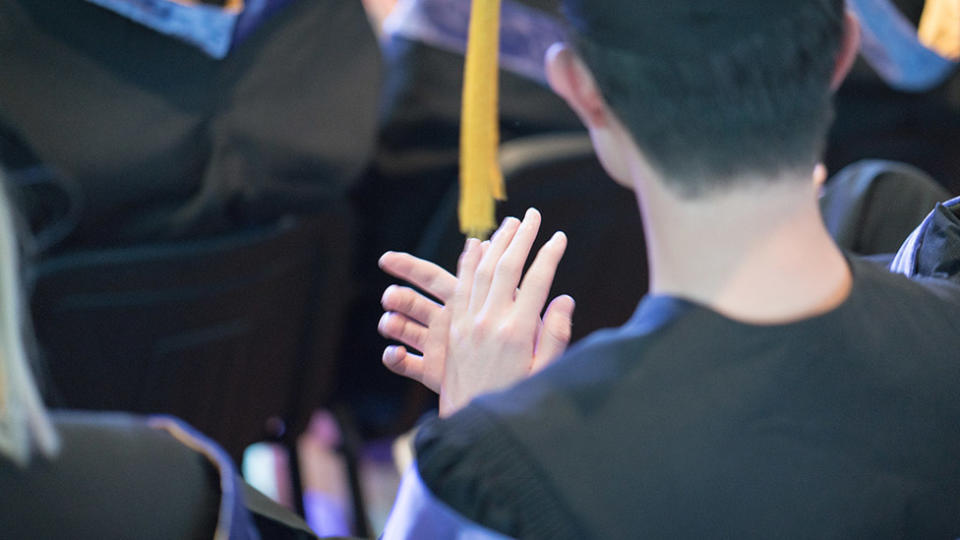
(758, 254)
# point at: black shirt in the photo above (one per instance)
(684, 423)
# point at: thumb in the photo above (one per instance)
(555, 332)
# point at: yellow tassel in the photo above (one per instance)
(940, 27)
(481, 180)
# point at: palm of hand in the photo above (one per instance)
(488, 334)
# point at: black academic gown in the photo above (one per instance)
(156, 141)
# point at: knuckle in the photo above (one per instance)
(401, 329)
(409, 333)
(458, 333)
(509, 333)
(560, 332)
(484, 273)
(481, 326)
(405, 302)
(508, 266)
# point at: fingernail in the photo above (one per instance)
(383, 321)
(496, 233)
(387, 292)
(507, 224)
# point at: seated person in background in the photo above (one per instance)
(103, 475)
(175, 125)
(768, 386)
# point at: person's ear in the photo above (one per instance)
(849, 48)
(572, 81)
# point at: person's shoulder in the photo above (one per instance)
(894, 316)
(113, 473)
(122, 455)
(115, 432)
(945, 293)
(920, 292)
(491, 461)
(495, 423)
(135, 445)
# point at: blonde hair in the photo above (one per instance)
(24, 423)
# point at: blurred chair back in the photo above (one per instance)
(871, 206)
(221, 332)
(604, 267)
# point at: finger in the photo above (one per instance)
(466, 269)
(536, 284)
(506, 277)
(484, 248)
(409, 302)
(405, 364)
(488, 263)
(421, 273)
(555, 332)
(435, 350)
(401, 328)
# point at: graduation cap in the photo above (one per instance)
(481, 181)
(209, 25)
(906, 57)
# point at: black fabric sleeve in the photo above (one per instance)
(471, 463)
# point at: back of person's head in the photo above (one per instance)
(715, 90)
(24, 424)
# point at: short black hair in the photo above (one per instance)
(756, 107)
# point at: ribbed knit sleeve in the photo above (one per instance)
(471, 463)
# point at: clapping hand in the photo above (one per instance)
(487, 333)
